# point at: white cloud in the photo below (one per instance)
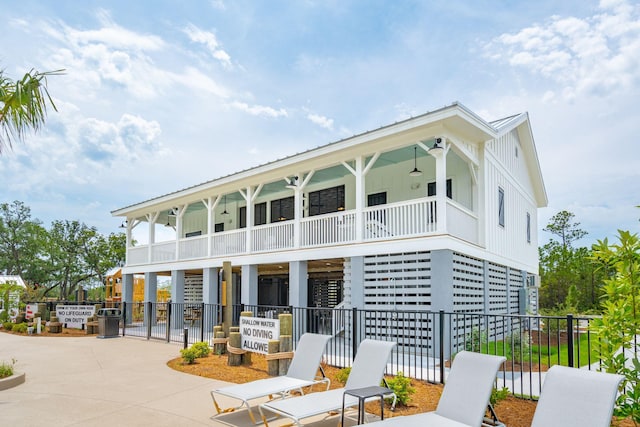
(210, 40)
(259, 110)
(321, 121)
(597, 55)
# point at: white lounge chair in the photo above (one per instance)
(367, 371)
(573, 397)
(465, 396)
(301, 373)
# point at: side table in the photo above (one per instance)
(363, 394)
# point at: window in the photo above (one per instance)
(282, 209)
(219, 227)
(500, 206)
(326, 201)
(528, 228)
(377, 199)
(431, 189)
(259, 215)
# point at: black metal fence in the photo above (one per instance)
(426, 341)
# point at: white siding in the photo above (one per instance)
(505, 170)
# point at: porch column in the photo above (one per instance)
(151, 218)
(179, 214)
(359, 175)
(249, 285)
(177, 297)
(357, 282)
(298, 284)
(248, 196)
(441, 187)
(210, 294)
(150, 295)
(442, 291)
(127, 295)
(297, 216)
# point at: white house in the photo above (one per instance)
(436, 212)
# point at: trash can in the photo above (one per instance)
(108, 322)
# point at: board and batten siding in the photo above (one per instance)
(507, 171)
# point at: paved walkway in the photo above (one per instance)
(88, 381)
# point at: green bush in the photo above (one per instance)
(519, 343)
(6, 369)
(20, 328)
(189, 355)
(343, 375)
(401, 386)
(474, 339)
(498, 395)
(7, 326)
(201, 348)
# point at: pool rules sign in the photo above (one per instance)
(256, 332)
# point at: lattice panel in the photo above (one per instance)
(468, 284)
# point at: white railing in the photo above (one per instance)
(193, 247)
(163, 252)
(229, 242)
(385, 222)
(272, 237)
(402, 219)
(461, 222)
(138, 255)
(328, 229)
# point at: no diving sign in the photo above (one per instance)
(256, 332)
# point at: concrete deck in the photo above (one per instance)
(87, 381)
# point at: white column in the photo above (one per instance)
(210, 293)
(150, 287)
(297, 216)
(359, 174)
(249, 285)
(177, 296)
(249, 198)
(298, 284)
(441, 189)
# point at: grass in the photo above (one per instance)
(6, 369)
(548, 355)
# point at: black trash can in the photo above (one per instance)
(109, 322)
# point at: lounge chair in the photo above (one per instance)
(302, 373)
(367, 371)
(576, 397)
(465, 396)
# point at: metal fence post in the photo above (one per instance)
(441, 346)
(186, 337)
(168, 321)
(202, 317)
(147, 315)
(124, 317)
(570, 339)
(354, 332)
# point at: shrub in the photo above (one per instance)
(401, 386)
(474, 339)
(520, 343)
(189, 355)
(20, 328)
(6, 369)
(201, 348)
(7, 325)
(498, 395)
(343, 375)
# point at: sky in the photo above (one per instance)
(161, 95)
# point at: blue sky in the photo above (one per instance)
(162, 95)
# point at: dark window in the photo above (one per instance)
(326, 201)
(431, 189)
(219, 227)
(259, 215)
(282, 209)
(193, 234)
(500, 206)
(528, 228)
(377, 199)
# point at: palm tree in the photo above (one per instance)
(23, 105)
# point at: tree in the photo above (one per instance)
(618, 330)
(23, 105)
(564, 267)
(21, 242)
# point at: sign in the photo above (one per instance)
(256, 332)
(30, 310)
(74, 316)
